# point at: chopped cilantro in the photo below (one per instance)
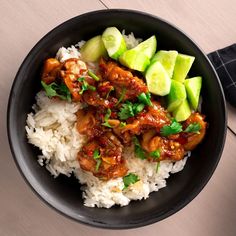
(85, 86)
(96, 154)
(130, 179)
(126, 111)
(145, 98)
(155, 154)
(193, 128)
(90, 73)
(57, 90)
(97, 158)
(174, 128)
(140, 153)
(130, 109)
(107, 116)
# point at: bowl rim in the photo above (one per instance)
(100, 224)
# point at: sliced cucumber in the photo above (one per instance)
(93, 49)
(183, 112)
(176, 96)
(193, 88)
(167, 59)
(134, 60)
(114, 42)
(147, 47)
(158, 81)
(182, 66)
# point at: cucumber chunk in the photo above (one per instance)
(176, 96)
(193, 88)
(158, 81)
(134, 60)
(183, 112)
(114, 42)
(167, 59)
(93, 49)
(182, 66)
(147, 47)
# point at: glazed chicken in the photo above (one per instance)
(103, 157)
(122, 79)
(154, 117)
(101, 121)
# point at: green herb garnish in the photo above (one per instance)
(99, 162)
(56, 90)
(90, 73)
(85, 86)
(174, 128)
(122, 124)
(130, 179)
(130, 109)
(140, 153)
(126, 111)
(109, 92)
(193, 128)
(97, 157)
(107, 116)
(121, 96)
(145, 98)
(96, 154)
(158, 166)
(155, 154)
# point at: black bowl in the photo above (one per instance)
(63, 193)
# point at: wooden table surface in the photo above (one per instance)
(212, 24)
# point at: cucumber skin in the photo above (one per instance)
(182, 66)
(176, 96)
(134, 60)
(193, 87)
(183, 112)
(148, 74)
(167, 59)
(93, 49)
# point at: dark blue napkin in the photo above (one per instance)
(224, 61)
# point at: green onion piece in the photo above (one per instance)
(121, 96)
(99, 162)
(158, 167)
(107, 116)
(90, 73)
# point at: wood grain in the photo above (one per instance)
(210, 23)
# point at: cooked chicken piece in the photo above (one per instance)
(122, 79)
(88, 123)
(103, 157)
(71, 71)
(153, 117)
(51, 70)
(169, 149)
(193, 139)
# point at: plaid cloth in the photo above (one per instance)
(224, 61)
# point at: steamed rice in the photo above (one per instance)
(52, 128)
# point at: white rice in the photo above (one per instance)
(52, 128)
